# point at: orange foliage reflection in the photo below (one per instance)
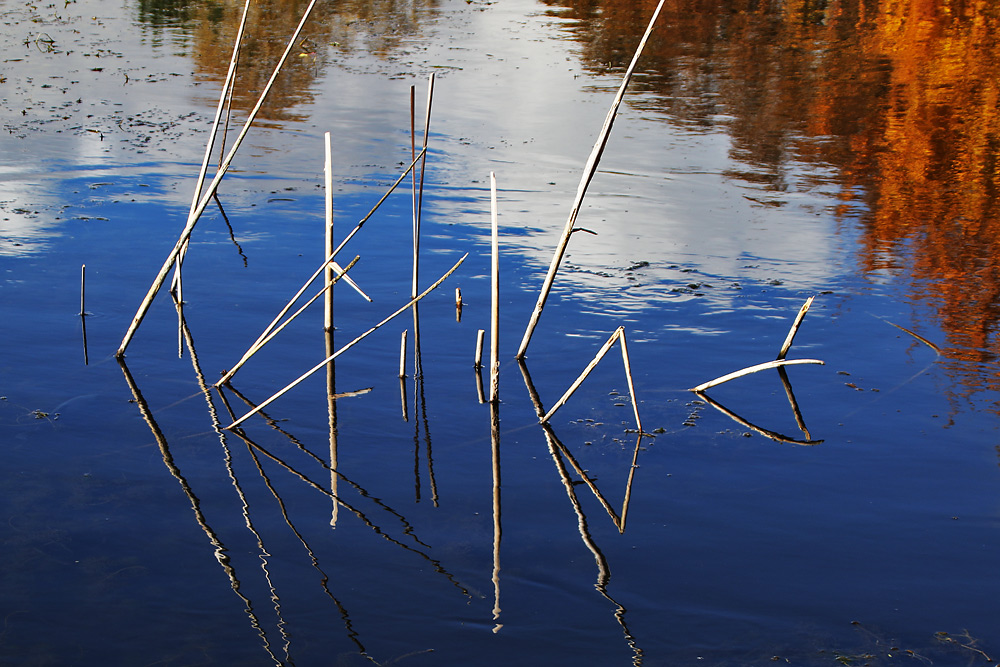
(899, 97)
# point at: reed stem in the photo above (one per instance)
(583, 376)
(402, 355)
(479, 348)
(348, 346)
(777, 363)
(495, 297)
(207, 195)
(588, 175)
(328, 232)
(795, 328)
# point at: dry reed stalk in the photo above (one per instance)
(777, 363)
(402, 355)
(583, 376)
(795, 328)
(588, 175)
(328, 232)
(337, 268)
(83, 287)
(479, 348)
(420, 190)
(227, 88)
(274, 332)
(494, 296)
(270, 327)
(479, 387)
(628, 379)
(207, 196)
(348, 346)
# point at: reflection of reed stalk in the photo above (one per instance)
(209, 192)
(588, 175)
(220, 551)
(348, 346)
(495, 449)
(773, 435)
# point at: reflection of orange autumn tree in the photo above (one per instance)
(898, 96)
(374, 26)
(937, 166)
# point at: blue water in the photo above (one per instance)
(136, 531)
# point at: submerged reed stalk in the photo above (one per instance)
(588, 174)
(207, 195)
(336, 354)
(494, 296)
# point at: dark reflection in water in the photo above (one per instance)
(897, 98)
(208, 29)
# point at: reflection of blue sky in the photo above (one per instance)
(509, 98)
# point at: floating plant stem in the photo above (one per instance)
(583, 376)
(494, 297)
(777, 363)
(795, 327)
(588, 175)
(207, 195)
(348, 346)
(342, 273)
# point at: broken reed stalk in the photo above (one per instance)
(918, 337)
(339, 270)
(328, 231)
(348, 346)
(207, 195)
(227, 88)
(583, 376)
(777, 363)
(795, 328)
(420, 190)
(402, 355)
(479, 349)
(305, 286)
(494, 296)
(588, 175)
(255, 348)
